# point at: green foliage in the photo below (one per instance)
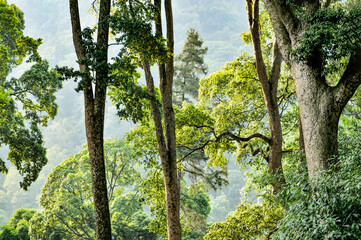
(326, 208)
(131, 27)
(237, 105)
(131, 23)
(33, 91)
(194, 205)
(195, 210)
(8, 233)
(67, 197)
(249, 221)
(14, 46)
(128, 220)
(134, 19)
(194, 200)
(333, 35)
(190, 136)
(189, 64)
(18, 226)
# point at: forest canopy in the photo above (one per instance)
(180, 119)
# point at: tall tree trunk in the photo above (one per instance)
(320, 105)
(94, 113)
(166, 139)
(269, 86)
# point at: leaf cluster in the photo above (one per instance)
(14, 46)
(249, 221)
(18, 226)
(333, 34)
(133, 20)
(34, 91)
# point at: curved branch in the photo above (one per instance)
(223, 135)
(279, 24)
(244, 139)
(350, 81)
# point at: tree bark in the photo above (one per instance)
(319, 118)
(94, 113)
(320, 105)
(269, 88)
(166, 138)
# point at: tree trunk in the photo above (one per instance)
(166, 138)
(169, 165)
(320, 104)
(269, 86)
(319, 118)
(94, 113)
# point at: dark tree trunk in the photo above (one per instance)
(94, 113)
(269, 86)
(320, 105)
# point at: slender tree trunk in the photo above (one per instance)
(94, 113)
(269, 86)
(166, 138)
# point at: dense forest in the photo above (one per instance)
(180, 119)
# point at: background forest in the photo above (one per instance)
(218, 24)
(228, 187)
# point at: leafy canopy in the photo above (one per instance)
(33, 91)
(68, 204)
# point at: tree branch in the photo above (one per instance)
(260, 151)
(283, 21)
(276, 66)
(350, 81)
(244, 139)
(223, 135)
(80, 51)
(20, 92)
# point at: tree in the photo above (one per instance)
(68, 203)
(189, 64)
(195, 210)
(249, 221)
(194, 205)
(312, 37)
(166, 137)
(236, 122)
(34, 91)
(18, 225)
(269, 84)
(94, 103)
(135, 22)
